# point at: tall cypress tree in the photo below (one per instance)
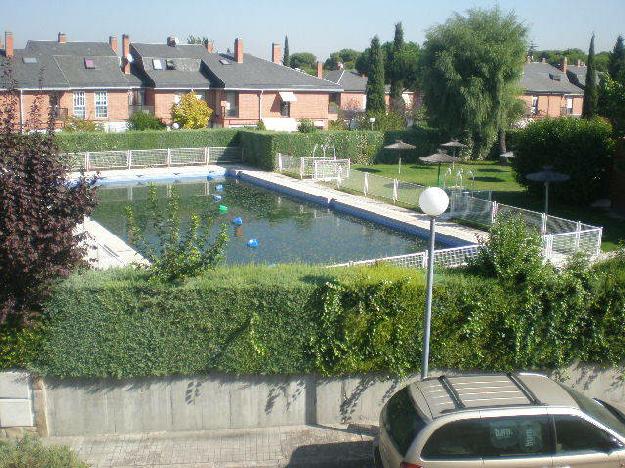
(286, 60)
(616, 64)
(591, 94)
(375, 82)
(396, 67)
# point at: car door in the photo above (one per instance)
(518, 441)
(456, 444)
(582, 444)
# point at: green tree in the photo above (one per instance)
(197, 40)
(375, 83)
(591, 94)
(616, 63)
(286, 59)
(396, 69)
(305, 61)
(347, 57)
(191, 112)
(471, 70)
(612, 103)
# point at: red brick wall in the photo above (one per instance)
(353, 101)
(550, 105)
(117, 105)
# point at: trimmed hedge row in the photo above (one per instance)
(299, 319)
(99, 141)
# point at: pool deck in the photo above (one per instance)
(105, 249)
(396, 217)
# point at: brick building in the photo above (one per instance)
(81, 79)
(241, 88)
(548, 91)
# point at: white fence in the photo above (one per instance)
(448, 258)
(169, 157)
(319, 168)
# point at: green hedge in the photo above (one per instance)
(299, 319)
(361, 146)
(581, 148)
(148, 139)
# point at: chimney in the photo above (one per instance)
(210, 46)
(276, 53)
(113, 43)
(320, 70)
(543, 60)
(62, 38)
(171, 41)
(125, 54)
(564, 64)
(8, 44)
(238, 50)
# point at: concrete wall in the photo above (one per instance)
(219, 401)
(16, 403)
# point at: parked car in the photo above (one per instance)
(508, 420)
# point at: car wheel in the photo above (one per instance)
(377, 459)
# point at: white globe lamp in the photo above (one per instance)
(433, 201)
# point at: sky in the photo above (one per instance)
(319, 26)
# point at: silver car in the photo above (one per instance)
(507, 420)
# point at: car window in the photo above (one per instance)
(575, 435)
(403, 422)
(520, 436)
(597, 411)
(456, 440)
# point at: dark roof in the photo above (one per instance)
(349, 80)
(195, 67)
(577, 75)
(541, 77)
(55, 65)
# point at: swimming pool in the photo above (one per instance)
(287, 230)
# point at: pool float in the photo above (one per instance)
(252, 243)
(217, 197)
(223, 209)
(237, 221)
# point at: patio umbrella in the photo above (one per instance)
(547, 176)
(439, 158)
(455, 144)
(400, 146)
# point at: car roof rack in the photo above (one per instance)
(447, 394)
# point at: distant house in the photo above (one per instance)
(548, 92)
(354, 94)
(577, 74)
(81, 79)
(241, 88)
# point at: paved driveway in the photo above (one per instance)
(300, 446)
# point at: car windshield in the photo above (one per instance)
(597, 411)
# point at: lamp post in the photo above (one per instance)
(433, 201)
(372, 121)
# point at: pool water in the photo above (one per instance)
(287, 230)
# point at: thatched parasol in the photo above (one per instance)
(439, 158)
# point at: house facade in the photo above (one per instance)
(241, 88)
(63, 79)
(548, 91)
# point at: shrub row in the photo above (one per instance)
(298, 319)
(99, 141)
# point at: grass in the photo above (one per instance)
(489, 175)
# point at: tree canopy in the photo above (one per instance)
(305, 61)
(375, 83)
(395, 68)
(591, 93)
(616, 63)
(347, 57)
(197, 40)
(555, 56)
(471, 70)
(286, 59)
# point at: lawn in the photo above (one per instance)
(489, 175)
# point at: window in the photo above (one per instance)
(29, 59)
(456, 441)
(521, 436)
(79, 104)
(157, 64)
(534, 105)
(101, 104)
(598, 411)
(89, 64)
(402, 421)
(232, 109)
(285, 109)
(136, 97)
(576, 436)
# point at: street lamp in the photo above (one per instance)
(371, 121)
(433, 201)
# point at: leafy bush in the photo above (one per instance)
(384, 121)
(612, 103)
(144, 121)
(338, 124)
(191, 112)
(148, 139)
(74, 124)
(29, 452)
(179, 253)
(306, 126)
(260, 125)
(581, 148)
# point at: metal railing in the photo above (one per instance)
(447, 258)
(319, 168)
(170, 157)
